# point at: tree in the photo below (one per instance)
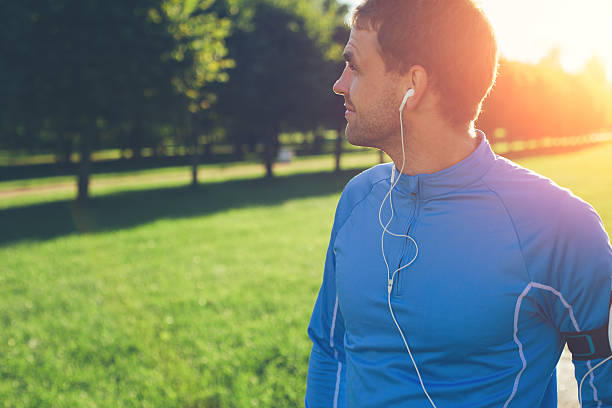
(200, 36)
(83, 70)
(282, 79)
(331, 107)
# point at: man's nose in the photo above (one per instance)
(341, 85)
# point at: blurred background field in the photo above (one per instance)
(168, 296)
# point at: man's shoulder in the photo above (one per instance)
(360, 185)
(507, 175)
(562, 239)
(532, 197)
(358, 188)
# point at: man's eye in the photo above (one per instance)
(352, 67)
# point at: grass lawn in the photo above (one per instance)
(162, 296)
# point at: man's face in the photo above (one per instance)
(370, 93)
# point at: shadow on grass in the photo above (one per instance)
(128, 209)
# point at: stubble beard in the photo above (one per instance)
(373, 130)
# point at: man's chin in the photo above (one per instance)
(351, 137)
(356, 138)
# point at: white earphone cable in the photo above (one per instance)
(391, 277)
(585, 376)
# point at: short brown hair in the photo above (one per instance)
(452, 39)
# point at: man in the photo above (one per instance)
(453, 277)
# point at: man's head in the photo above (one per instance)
(443, 48)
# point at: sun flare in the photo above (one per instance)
(530, 30)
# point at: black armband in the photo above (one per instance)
(591, 344)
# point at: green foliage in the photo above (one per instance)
(87, 73)
(283, 76)
(199, 36)
(83, 75)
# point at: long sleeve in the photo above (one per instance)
(326, 369)
(583, 271)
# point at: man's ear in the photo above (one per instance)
(416, 79)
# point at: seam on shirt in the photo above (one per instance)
(335, 314)
(463, 186)
(501, 200)
(337, 389)
(331, 344)
(356, 204)
(517, 310)
(570, 309)
(591, 379)
(333, 328)
(516, 234)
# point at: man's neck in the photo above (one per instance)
(433, 150)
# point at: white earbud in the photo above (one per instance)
(409, 94)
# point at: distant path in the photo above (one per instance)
(94, 184)
(179, 176)
(217, 173)
(212, 173)
(51, 188)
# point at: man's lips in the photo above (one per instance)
(349, 110)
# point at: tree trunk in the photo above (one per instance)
(381, 156)
(85, 164)
(268, 159)
(338, 151)
(238, 151)
(136, 140)
(194, 166)
(270, 151)
(67, 153)
(195, 157)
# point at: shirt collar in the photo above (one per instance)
(461, 174)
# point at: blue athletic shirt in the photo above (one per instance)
(508, 265)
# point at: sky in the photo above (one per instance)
(529, 29)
